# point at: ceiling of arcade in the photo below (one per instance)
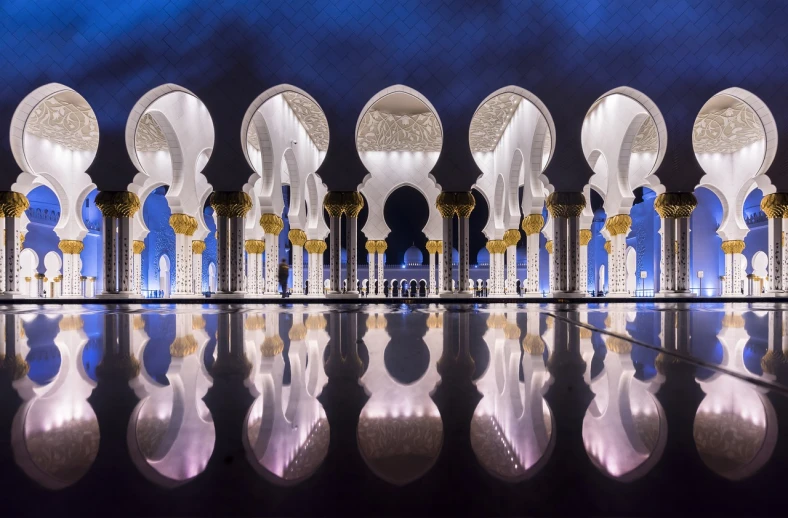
(309, 115)
(65, 119)
(149, 136)
(725, 129)
(490, 121)
(399, 122)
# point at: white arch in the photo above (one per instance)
(278, 129)
(388, 171)
(610, 127)
(46, 162)
(526, 133)
(732, 182)
(189, 134)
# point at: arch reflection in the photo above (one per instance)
(400, 431)
(512, 426)
(286, 433)
(735, 426)
(624, 428)
(171, 433)
(55, 433)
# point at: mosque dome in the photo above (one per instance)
(483, 256)
(413, 256)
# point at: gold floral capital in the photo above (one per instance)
(675, 204)
(231, 204)
(566, 204)
(139, 246)
(532, 224)
(349, 203)
(735, 246)
(69, 246)
(496, 246)
(607, 246)
(382, 246)
(775, 205)
(371, 246)
(297, 332)
(272, 224)
(315, 246)
(183, 224)
(460, 203)
(297, 237)
(13, 204)
(618, 224)
(117, 204)
(198, 247)
(511, 236)
(434, 246)
(585, 237)
(254, 246)
(549, 247)
(533, 345)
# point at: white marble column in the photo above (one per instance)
(110, 245)
(138, 247)
(72, 266)
(775, 206)
(371, 248)
(125, 256)
(733, 274)
(446, 263)
(335, 252)
(184, 227)
(667, 276)
(511, 237)
(683, 255)
(464, 274)
(532, 225)
(272, 225)
(12, 206)
(491, 273)
(254, 266)
(549, 247)
(231, 208)
(585, 239)
(315, 249)
(558, 258)
(382, 246)
(198, 247)
(573, 254)
(618, 227)
(298, 240)
(434, 247)
(118, 209)
(351, 239)
(675, 210)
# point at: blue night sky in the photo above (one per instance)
(568, 53)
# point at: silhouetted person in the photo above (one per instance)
(284, 273)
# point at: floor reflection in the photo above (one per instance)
(429, 396)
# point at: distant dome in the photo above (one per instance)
(483, 257)
(413, 256)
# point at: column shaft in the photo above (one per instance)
(271, 264)
(532, 250)
(335, 254)
(223, 254)
(381, 271)
(776, 258)
(432, 273)
(667, 274)
(371, 272)
(237, 227)
(683, 255)
(298, 269)
(446, 266)
(559, 261)
(110, 242)
(351, 239)
(125, 256)
(511, 269)
(464, 255)
(573, 253)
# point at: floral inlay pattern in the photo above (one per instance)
(491, 120)
(646, 140)
(727, 130)
(149, 136)
(65, 123)
(311, 116)
(382, 131)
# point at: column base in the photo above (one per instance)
(186, 295)
(16, 295)
(349, 295)
(770, 293)
(260, 296)
(119, 295)
(674, 294)
(457, 295)
(624, 295)
(569, 294)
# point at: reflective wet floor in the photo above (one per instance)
(508, 409)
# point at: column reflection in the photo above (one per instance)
(624, 428)
(171, 434)
(55, 433)
(400, 431)
(512, 427)
(286, 434)
(735, 427)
